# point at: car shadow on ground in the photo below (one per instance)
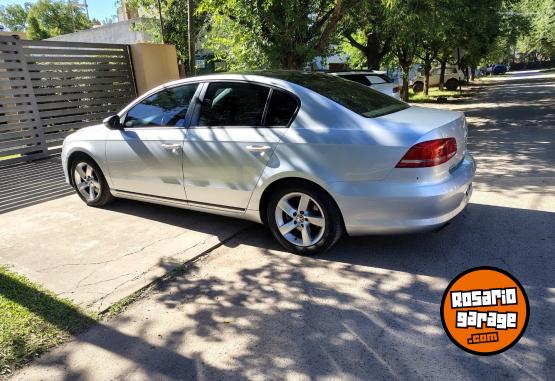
(370, 306)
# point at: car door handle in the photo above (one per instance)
(257, 148)
(171, 147)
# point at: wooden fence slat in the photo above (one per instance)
(84, 96)
(16, 117)
(75, 75)
(70, 126)
(11, 74)
(74, 52)
(7, 84)
(20, 108)
(77, 60)
(29, 44)
(77, 89)
(11, 92)
(94, 102)
(71, 82)
(75, 118)
(83, 110)
(16, 126)
(15, 135)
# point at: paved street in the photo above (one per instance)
(369, 308)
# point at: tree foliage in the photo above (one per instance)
(284, 34)
(538, 41)
(45, 18)
(369, 28)
(14, 16)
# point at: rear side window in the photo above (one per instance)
(358, 98)
(281, 109)
(359, 78)
(167, 107)
(233, 104)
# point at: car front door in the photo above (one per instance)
(146, 156)
(231, 140)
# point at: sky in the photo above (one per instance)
(99, 9)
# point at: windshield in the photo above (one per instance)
(354, 96)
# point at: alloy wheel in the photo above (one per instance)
(87, 181)
(300, 219)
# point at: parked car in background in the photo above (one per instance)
(376, 81)
(499, 69)
(453, 77)
(309, 155)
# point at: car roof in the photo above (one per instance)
(272, 77)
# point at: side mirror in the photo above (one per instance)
(113, 123)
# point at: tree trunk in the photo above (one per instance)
(443, 64)
(372, 52)
(291, 62)
(472, 72)
(427, 69)
(191, 37)
(372, 60)
(405, 86)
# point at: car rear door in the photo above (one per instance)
(228, 146)
(146, 156)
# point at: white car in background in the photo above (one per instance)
(376, 81)
(453, 76)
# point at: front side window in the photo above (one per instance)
(281, 109)
(233, 104)
(167, 107)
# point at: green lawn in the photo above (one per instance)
(433, 94)
(32, 320)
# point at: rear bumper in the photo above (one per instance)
(392, 208)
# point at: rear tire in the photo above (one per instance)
(418, 87)
(452, 84)
(89, 182)
(304, 219)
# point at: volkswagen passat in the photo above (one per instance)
(309, 155)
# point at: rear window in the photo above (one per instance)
(354, 96)
(359, 78)
(375, 79)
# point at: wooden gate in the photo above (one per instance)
(49, 89)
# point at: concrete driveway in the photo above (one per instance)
(98, 256)
(369, 308)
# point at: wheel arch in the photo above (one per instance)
(290, 180)
(73, 156)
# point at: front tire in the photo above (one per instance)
(89, 182)
(304, 219)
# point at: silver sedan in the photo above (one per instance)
(310, 155)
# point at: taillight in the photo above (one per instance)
(396, 89)
(429, 154)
